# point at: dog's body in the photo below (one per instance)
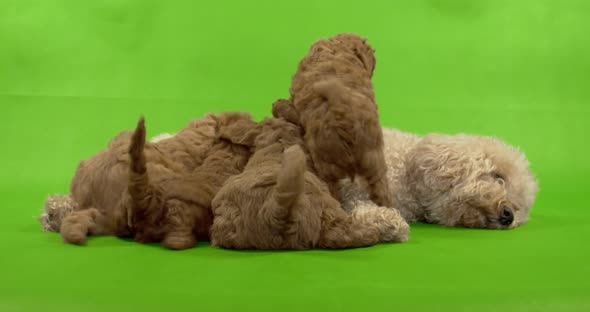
(277, 203)
(333, 101)
(175, 209)
(453, 180)
(99, 186)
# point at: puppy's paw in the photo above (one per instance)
(178, 241)
(75, 235)
(392, 227)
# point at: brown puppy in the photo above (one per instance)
(334, 102)
(100, 182)
(175, 209)
(277, 203)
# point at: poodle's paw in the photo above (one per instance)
(393, 227)
(177, 241)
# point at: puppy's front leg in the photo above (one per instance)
(79, 224)
(180, 239)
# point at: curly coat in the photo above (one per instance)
(176, 209)
(277, 203)
(454, 180)
(99, 187)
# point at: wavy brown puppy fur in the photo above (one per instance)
(277, 203)
(100, 182)
(333, 98)
(176, 209)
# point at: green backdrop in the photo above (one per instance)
(74, 73)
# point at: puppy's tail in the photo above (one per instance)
(142, 193)
(290, 185)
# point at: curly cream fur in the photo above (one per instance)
(453, 180)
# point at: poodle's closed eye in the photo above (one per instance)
(499, 178)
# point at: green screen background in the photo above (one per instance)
(74, 73)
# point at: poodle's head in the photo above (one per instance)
(471, 181)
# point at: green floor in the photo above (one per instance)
(74, 73)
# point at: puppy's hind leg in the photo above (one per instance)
(180, 224)
(76, 226)
(366, 226)
(179, 239)
(346, 233)
(391, 225)
(374, 170)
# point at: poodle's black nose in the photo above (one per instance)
(506, 216)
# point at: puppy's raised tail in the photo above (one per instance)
(289, 187)
(142, 193)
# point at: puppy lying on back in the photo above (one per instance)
(334, 102)
(277, 203)
(175, 209)
(99, 186)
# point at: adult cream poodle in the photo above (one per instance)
(454, 180)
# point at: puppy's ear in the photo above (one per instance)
(238, 128)
(366, 54)
(284, 109)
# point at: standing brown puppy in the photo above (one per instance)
(333, 97)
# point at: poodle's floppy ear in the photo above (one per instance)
(238, 128)
(284, 109)
(435, 165)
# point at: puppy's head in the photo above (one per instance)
(282, 108)
(362, 50)
(259, 135)
(274, 130)
(471, 181)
